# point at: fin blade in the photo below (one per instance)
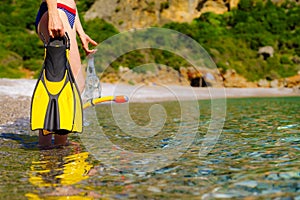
(39, 105)
(66, 107)
(78, 111)
(52, 122)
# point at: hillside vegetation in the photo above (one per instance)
(232, 39)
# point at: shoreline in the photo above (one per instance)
(16, 96)
(18, 88)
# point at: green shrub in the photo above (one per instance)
(33, 65)
(284, 59)
(10, 64)
(99, 29)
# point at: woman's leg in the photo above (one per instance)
(60, 139)
(44, 140)
(75, 63)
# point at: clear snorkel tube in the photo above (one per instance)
(92, 88)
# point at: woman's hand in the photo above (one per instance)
(55, 25)
(85, 40)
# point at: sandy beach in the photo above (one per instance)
(16, 93)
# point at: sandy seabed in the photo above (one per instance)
(16, 94)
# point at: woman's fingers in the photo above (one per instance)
(85, 43)
(58, 32)
(93, 42)
(90, 51)
(55, 26)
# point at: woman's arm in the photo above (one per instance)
(55, 25)
(84, 38)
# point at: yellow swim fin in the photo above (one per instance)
(56, 105)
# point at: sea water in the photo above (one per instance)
(256, 156)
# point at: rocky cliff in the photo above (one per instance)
(131, 14)
(128, 14)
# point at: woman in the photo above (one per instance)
(54, 18)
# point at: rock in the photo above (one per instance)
(263, 83)
(126, 15)
(274, 83)
(293, 81)
(150, 74)
(155, 74)
(123, 69)
(209, 77)
(214, 6)
(296, 89)
(158, 74)
(154, 189)
(132, 14)
(196, 77)
(250, 184)
(266, 51)
(233, 79)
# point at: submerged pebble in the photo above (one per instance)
(154, 189)
(250, 184)
(250, 160)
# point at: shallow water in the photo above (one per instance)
(256, 156)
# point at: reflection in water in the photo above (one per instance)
(59, 169)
